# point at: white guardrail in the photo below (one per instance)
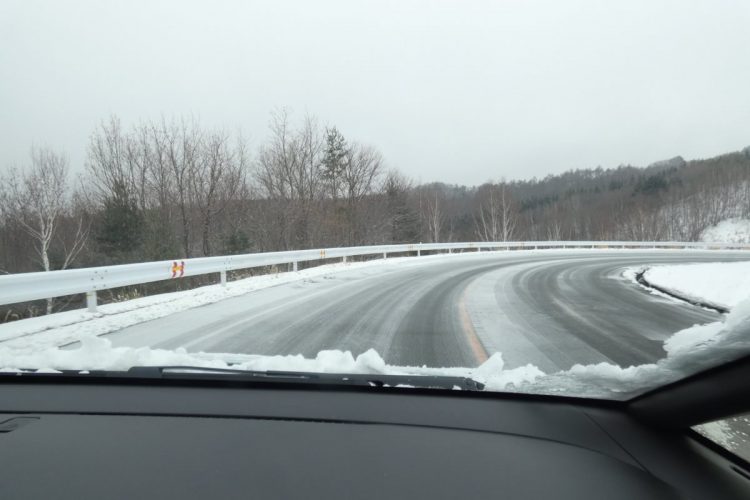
(24, 287)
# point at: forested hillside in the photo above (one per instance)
(175, 189)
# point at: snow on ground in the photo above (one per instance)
(66, 327)
(28, 346)
(687, 353)
(70, 326)
(723, 284)
(728, 231)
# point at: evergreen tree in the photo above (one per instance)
(334, 160)
(404, 220)
(237, 243)
(121, 229)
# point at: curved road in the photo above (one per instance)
(549, 308)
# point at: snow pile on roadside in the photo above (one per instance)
(97, 353)
(724, 284)
(688, 351)
(690, 337)
(703, 346)
(493, 374)
(728, 231)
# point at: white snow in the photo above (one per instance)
(718, 431)
(731, 433)
(735, 230)
(493, 373)
(97, 353)
(723, 284)
(718, 343)
(688, 338)
(30, 346)
(66, 327)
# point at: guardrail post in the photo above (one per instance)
(479, 249)
(419, 252)
(384, 255)
(91, 301)
(344, 259)
(294, 266)
(223, 278)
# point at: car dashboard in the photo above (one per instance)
(175, 440)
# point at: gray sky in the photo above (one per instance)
(460, 91)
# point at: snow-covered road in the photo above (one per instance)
(549, 308)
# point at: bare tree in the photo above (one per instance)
(360, 175)
(288, 174)
(554, 231)
(37, 200)
(114, 162)
(433, 215)
(182, 144)
(219, 174)
(277, 160)
(497, 215)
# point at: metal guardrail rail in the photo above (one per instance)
(24, 287)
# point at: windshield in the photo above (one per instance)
(540, 197)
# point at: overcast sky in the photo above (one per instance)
(460, 91)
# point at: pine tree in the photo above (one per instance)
(334, 160)
(121, 228)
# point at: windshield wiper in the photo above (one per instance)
(197, 373)
(371, 380)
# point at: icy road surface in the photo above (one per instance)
(549, 308)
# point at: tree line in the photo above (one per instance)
(170, 189)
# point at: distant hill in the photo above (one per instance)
(673, 199)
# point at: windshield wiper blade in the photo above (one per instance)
(197, 373)
(358, 379)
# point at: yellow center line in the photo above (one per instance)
(480, 353)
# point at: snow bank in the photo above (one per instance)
(724, 284)
(493, 374)
(686, 339)
(97, 353)
(728, 231)
(689, 351)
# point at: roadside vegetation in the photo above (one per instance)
(171, 189)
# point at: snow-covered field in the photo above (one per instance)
(722, 284)
(728, 231)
